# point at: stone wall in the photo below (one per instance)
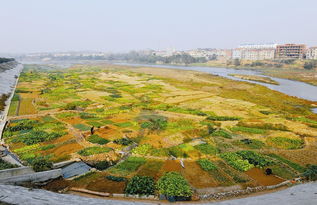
(249, 190)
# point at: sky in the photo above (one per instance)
(122, 25)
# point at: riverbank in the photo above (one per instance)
(291, 72)
(256, 78)
(11, 78)
(288, 87)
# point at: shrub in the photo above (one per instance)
(81, 127)
(222, 133)
(248, 129)
(85, 115)
(285, 143)
(93, 150)
(124, 124)
(294, 165)
(143, 149)
(74, 105)
(311, 172)
(206, 149)
(129, 165)
(97, 140)
(265, 126)
(155, 124)
(236, 161)
(206, 164)
(6, 165)
(35, 137)
(141, 185)
(222, 118)
(255, 158)
(40, 164)
(174, 184)
(23, 125)
(102, 165)
(123, 141)
(251, 143)
(177, 151)
(116, 179)
(47, 147)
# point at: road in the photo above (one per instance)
(303, 194)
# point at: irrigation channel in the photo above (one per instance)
(288, 87)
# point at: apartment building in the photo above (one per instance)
(209, 53)
(311, 53)
(258, 46)
(254, 52)
(258, 54)
(290, 51)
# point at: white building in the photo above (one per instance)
(255, 52)
(311, 53)
(258, 54)
(237, 53)
(258, 46)
(208, 53)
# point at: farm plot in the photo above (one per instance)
(101, 113)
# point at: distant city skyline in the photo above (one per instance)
(124, 25)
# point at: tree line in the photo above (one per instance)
(5, 60)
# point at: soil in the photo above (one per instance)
(263, 179)
(197, 177)
(171, 166)
(105, 185)
(57, 185)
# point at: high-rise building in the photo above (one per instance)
(290, 51)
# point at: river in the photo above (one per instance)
(289, 87)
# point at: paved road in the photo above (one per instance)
(304, 194)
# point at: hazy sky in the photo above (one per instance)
(122, 25)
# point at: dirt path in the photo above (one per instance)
(80, 139)
(39, 114)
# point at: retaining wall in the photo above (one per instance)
(7, 173)
(34, 177)
(235, 193)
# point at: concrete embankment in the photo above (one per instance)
(9, 80)
(7, 173)
(303, 194)
(18, 178)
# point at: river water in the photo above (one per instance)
(8, 80)
(289, 87)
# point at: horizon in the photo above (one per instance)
(121, 26)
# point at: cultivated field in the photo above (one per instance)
(215, 132)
